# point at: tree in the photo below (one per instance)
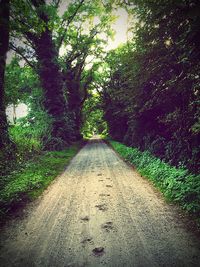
(40, 49)
(93, 121)
(41, 43)
(155, 83)
(4, 40)
(84, 48)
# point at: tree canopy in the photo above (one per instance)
(145, 93)
(151, 99)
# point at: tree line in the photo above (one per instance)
(57, 48)
(151, 90)
(147, 90)
(37, 31)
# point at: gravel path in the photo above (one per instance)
(99, 212)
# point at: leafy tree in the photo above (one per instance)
(92, 113)
(14, 93)
(40, 44)
(154, 88)
(84, 48)
(22, 86)
(40, 49)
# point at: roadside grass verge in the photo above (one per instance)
(29, 182)
(176, 184)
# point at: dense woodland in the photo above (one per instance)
(151, 99)
(144, 94)
(54, 86)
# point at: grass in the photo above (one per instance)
(29, 182)
(176, 184)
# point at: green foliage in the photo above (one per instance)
(84, 49)
(92, 113)
(76, 32)
(177, 184)
(26, 139)
(34, 177)
(53, 87)
(22, 86)
(12, 83)
(151, 95)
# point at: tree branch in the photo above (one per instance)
(19, 52)
(68, 22)
(87, 82)
(56, 3)
(37, 3)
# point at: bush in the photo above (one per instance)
(25, 140)
(177, 184)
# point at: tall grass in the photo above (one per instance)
(31, 169)
(36, 175)
(25, 139)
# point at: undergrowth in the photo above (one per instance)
(177, 184)
(27, 144)
(31, 180)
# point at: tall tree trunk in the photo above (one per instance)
(74, 101)
(77, 93)
(52, 84)
(4, 40)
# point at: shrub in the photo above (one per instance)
(177, 184)
(24, 139)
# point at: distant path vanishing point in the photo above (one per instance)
(99, 212)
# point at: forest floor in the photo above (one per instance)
(99, 212)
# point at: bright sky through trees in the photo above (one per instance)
(120, 27)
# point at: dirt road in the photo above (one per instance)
(99, 212)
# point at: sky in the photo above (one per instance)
(120, 26)
(21, 111)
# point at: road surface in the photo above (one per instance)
(99, 212)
